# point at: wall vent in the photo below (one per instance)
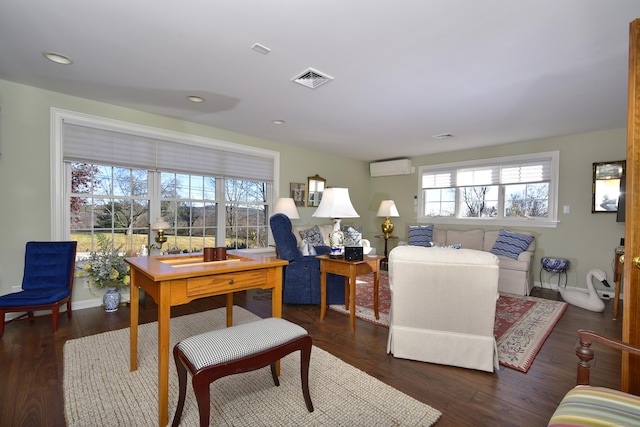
(312, 78)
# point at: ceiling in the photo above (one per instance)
(488, 72)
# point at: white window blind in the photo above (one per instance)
(83, 143)
(508, 173)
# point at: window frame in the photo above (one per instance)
(550, 222)
(60, 175)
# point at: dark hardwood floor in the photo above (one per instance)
(31, 364)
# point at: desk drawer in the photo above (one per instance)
(222, 283)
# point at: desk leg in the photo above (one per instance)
(352, 296)
(133, 322)
(276, 301)
(323, 292)
(229, 309)
(376, 280)
(164, 317)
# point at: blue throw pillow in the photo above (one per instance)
(420, 235)
(511, 244)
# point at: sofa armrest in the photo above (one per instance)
(526, 256)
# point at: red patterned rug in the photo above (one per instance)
(521, 327)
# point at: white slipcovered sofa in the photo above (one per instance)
(516, 274)
(443, 304)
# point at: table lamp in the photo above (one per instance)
(160, 226)
(287, 206)
(336, 204)
(387, 209)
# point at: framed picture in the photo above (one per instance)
(298, 193)
(606, 186)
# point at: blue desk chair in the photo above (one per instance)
(47, 282)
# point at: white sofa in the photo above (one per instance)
(516, 275)
(443, 304)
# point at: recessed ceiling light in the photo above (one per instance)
(260, 48)
(278, 122)
(195, 98)
(57, 58)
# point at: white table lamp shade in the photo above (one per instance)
(388, 209)
(335, 203)
(287, 206)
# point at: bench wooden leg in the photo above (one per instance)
(205, 376)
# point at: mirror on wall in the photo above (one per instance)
(606, 186)
(315, 185)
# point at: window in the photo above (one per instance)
(507, 190)
(118, 178)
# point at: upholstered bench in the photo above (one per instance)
(238, 349)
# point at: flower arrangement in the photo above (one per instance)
(107, 267)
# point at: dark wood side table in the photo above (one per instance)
(350, 270)
(618, 260)
(385, 261)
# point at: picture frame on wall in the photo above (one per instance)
(607, 178)
(298, 193)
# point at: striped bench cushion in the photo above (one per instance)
(236, 342)
(597, 406)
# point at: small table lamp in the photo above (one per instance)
(160, 226)
(336, 204)
(287, 206)
(387, 209)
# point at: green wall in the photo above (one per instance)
(586, 239)
(25, 168)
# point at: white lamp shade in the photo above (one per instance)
(286, 205)
(387, 208)
(160, 224)
(335, 203)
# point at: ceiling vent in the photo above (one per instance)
(312, 78)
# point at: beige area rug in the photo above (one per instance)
(99, 389)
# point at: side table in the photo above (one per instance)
(350, 270)
(385, 261)
(618, 264)
(557, 266)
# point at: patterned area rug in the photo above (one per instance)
(99, 389)
(521, 327)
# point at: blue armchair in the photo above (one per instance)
(301, 282)
(47, 282)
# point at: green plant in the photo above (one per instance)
(107, 267)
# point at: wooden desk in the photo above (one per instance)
(178, 279)
(349, 269)
(618, 266)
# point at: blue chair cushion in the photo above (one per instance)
(33, 297)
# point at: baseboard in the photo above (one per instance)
(77, 305)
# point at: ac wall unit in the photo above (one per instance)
(391, 167)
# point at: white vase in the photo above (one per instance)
(111, 300)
